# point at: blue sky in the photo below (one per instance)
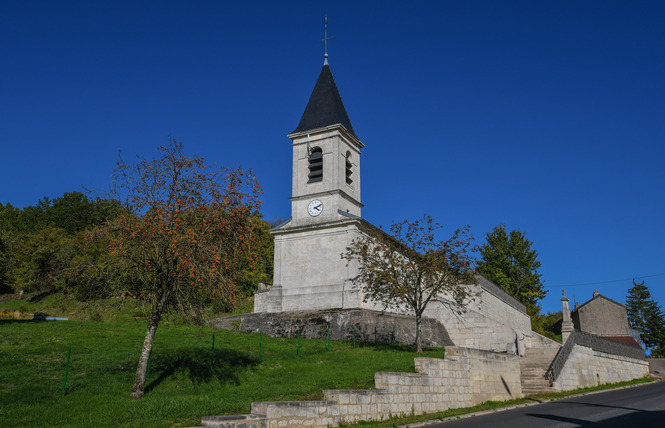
(545, 116)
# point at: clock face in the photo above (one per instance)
(315, 208)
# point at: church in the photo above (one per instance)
(326, 216)
(491, 352)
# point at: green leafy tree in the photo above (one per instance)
(186, 234)
(9, 218)
(40, 258)
(259, 264)
(74, 212)
(409, 267)
(6, 241)
(543, 323)
(508, 260)
(646, 317)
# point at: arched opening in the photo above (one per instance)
(349, 170)
(315, 165)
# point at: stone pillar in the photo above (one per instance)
(567, 324)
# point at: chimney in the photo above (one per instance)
(595, 294)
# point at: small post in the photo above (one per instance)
(298, 343)
(375, 335)
(393, 336)
(354, 336)
(64, 384)
(328, 348)
(149, 358)
(260, 339)
(212, 353)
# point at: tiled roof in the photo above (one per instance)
(598, 296)
(626, 340)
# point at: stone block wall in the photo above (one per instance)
(309, 271)
(494, 376)
(494, 307)
(464, 378)
(586, 367)
(473, 329)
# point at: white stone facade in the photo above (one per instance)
(309, 271)
(333, 190)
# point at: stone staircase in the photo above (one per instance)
(533, 366)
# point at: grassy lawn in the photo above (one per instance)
(182, 385)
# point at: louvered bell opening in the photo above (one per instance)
(349, 180)
(315, 166)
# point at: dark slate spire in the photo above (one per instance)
(325, 106)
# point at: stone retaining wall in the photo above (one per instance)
(586, 367)
(465, 377)
(657, 367)
(342, 324)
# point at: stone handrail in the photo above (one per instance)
(559, 361)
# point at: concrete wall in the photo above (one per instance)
(464, 378)
(586, 367)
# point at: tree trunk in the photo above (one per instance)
(419, 342)
(141, 370)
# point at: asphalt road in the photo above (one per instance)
(642, 406)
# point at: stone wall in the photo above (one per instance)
(341, 324)
(657, 367)
(464, 378)
(494, 376)
(586, 367)
(309, 271)
(496, 304)
(603, 317)
(491, 321)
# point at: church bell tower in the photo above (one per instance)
(326, 158)
(309, 272)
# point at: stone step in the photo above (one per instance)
(533, 368)
(235, 421)
(534, 376)
(535, 382)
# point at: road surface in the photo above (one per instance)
(641, 406)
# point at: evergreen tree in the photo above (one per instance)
(508, 261)
(646, 317)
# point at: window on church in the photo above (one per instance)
(349, 171)
(315, 165)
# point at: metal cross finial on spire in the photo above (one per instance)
(325, 40)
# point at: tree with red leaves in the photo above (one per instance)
(187, 232)
(409, 267)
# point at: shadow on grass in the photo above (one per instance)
(201, 366)
(383, 346)
(24, 321)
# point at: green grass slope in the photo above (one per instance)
(188, 378)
